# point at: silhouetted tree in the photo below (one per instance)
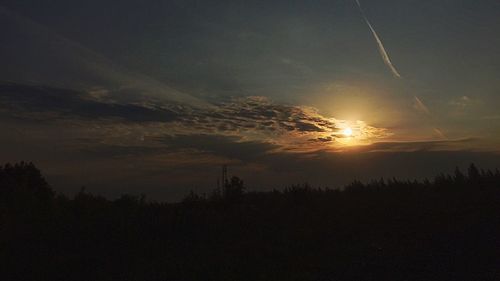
(459, 177)
(193, 197)
(473, 173)
(23, 182)
(234, 189)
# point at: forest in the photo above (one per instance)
(445, 228)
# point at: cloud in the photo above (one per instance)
(413, 146)
(40, 102)
(97, 115)
(463, 104)
(491, 117)
(294, 128)
(230, 147)
(35, 46)
(268, 144)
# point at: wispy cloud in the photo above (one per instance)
(413, 146)
(461, 102)
(90, 67)
(34, 101)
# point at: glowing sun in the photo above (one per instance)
(347, 132)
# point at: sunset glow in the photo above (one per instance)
(249, 140)
(347, 132)
(187, 86)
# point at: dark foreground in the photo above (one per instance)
(445, 229)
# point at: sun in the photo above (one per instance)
(347, 132)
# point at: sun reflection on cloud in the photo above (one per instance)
(355, 133)
(290, 128)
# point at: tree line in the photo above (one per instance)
(445, 228)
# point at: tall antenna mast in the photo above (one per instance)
(224, 176)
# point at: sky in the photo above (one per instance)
(155, 96)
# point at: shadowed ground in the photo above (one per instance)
(444, 229)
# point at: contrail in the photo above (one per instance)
(420, 106)
(418, 103)
(381, 49)
(440, 133)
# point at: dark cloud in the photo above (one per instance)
(231, 148)
(338, 169)
(252, 113)
(409, 146)
(19, 99)
(117, 151)
(227, 146)
(262, 114)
